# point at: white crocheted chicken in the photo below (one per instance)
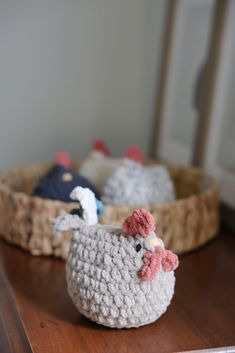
(119, 276)
(99, 166)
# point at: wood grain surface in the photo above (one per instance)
(37, 315)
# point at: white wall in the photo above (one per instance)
(75, 70)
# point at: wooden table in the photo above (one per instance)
(37, 315)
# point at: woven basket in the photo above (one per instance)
(185, 224)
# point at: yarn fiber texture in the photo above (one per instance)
(102, 275)
(59, 182)
(134, 184)
(98, 167)
(140, 222)
(88, 204)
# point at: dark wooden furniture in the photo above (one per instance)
(36, 314)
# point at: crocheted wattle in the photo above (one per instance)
(115, 279)
(170, 261)
(152, 265)
(154, 260)
(140, 222)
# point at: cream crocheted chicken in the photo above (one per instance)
(119, 276)
(99, 166)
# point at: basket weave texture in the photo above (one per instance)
(184, 224)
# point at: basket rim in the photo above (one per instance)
(184, 223)
(212, 186)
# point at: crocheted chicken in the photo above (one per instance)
(99, 165)
(60, 180)
(134, 184)
(119, 276)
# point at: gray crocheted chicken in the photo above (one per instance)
(119, 276)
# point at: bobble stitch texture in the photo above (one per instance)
(169, 261)
(152, 265)
(134, 184)
(118, 286)
(140, 222)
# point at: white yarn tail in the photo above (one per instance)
(87, 201)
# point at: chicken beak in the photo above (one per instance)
(154, 242)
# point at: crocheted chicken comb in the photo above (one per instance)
(132, 152)
(63, 159)
(135, 154)
(140, 222)
(101, 146)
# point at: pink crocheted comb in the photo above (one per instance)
(63, 159)
(140, 222)
(134, 153)
(101, 146)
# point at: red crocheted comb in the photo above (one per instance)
(101, 146)
(63, 159)
(135, 153)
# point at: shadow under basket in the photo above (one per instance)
(184, 224)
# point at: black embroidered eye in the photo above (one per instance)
(138, 247)
(76, 211)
